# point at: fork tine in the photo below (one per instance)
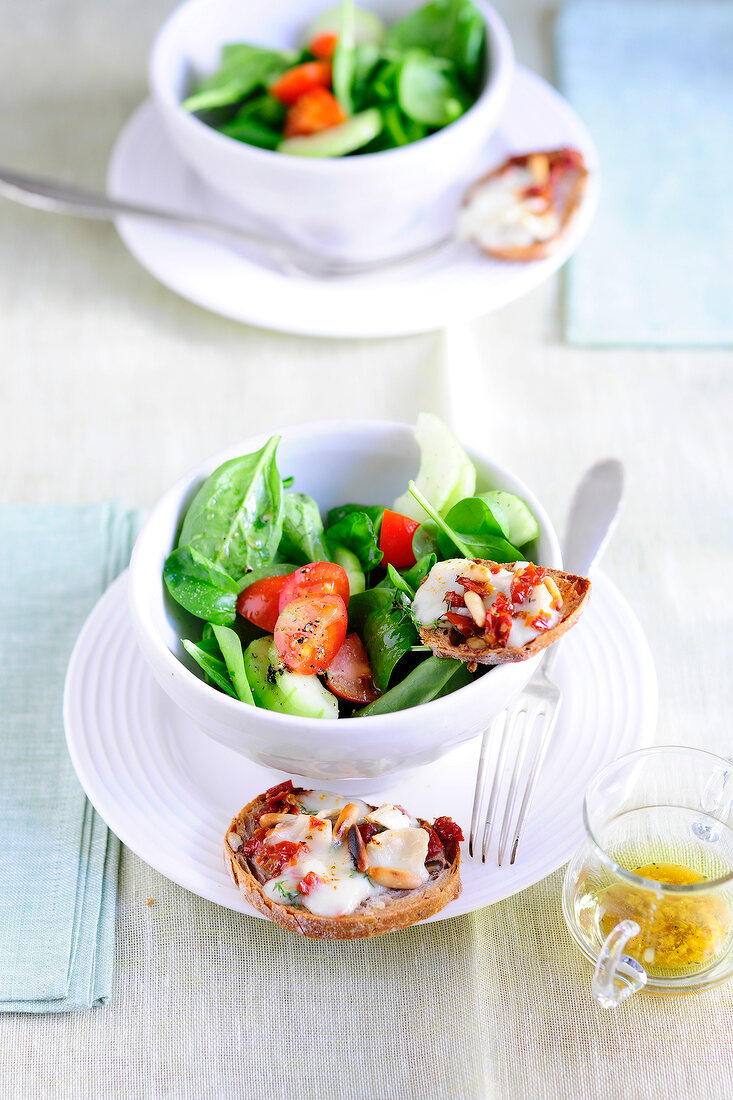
(519, 766)
(543, 744)
(479, 791)
(509, 720)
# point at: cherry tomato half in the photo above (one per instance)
(314, 111)
(324, 45)
(350, 675)
(297, 81)
(310, 631)
(318, 578)
(260, 603)
(395, 539)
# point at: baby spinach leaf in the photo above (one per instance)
(419, 571)
(452, 29)
(431, 679)
(383, 622)
(258, 122)
(302, 538)
(356, 532)
(200, 585)
(374, 511)
(428, 90)
(243, 68)
(425, 540)
(231, 650)
(236, 517)
(213, 666)
(479, 532)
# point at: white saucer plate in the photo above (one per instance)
(457, 283)
(169, 792)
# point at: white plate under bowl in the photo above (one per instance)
(169, 792)
(457, 283)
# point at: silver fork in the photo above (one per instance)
(57, 197)
(591, 520)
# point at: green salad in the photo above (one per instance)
(312, 616)
(354, 87)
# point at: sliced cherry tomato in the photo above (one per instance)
(314, 111)
(260, 603)
(395, 539)
(318, 578)
(350, 675)
(310, 631)
(324, 45)
(296, 82)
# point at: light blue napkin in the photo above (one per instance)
(58, 860)
(653, 81)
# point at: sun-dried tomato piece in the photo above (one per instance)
(273, 857)
(367, 830)
(454, 599)
(254, 843)
(463, 623)
(435, 844)
(447, 829)
(309, 882)
(484, 588)
(498, 621)
(524, 582)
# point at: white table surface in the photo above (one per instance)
(110, 386)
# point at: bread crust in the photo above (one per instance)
(566, 210)
(575, 592)
(385, 913)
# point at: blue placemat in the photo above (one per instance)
(58, 860)
(653, 80)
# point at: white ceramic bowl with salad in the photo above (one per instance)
(363, 204)
(335, 463)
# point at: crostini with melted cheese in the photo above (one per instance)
(330, 867)
(523, 209)
(488, 613)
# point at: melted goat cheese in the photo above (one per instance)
(498, 215)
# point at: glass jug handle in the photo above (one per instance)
(617, 976)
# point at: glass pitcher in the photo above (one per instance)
(648, 898)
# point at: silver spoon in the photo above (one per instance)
(65, 198)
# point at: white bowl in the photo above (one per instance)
(369, 461)
(358, 207)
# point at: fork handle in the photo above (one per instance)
(591, 520)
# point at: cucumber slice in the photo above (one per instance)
(513, 515)
(352, 567)
(337, 141)
(274, 688)
(368, 27)
(446, 472)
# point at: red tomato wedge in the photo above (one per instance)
(310, 631)
(314, 111)
(318, 578)
(260, 603)
(324, 45)
(350, 675)
(395, 539)
(296, 82)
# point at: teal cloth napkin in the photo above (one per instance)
(653, 81)
(58, 860)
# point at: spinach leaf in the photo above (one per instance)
(452, 29)
(381, 618)
(236, 517)
(366, 58)
(243, 68)
(231, 650)
(419, 571)
(402, 130)
(302, 538)
(431, 679)
(258, 122)
(479, 531)
(425, 540)
(200, 585)
(469, 527)
(344, 58)
(428, 90)
(374, 511)
(214, 667)
(356, 532)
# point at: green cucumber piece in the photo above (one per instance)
(337, 141)
(274, 688)
(446, 473)
(513, 516)
(368, 27)
(352, 567)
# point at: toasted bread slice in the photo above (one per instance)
(523, 209)
(445, 641)
(384, 911)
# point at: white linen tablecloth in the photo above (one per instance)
(110, 386)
